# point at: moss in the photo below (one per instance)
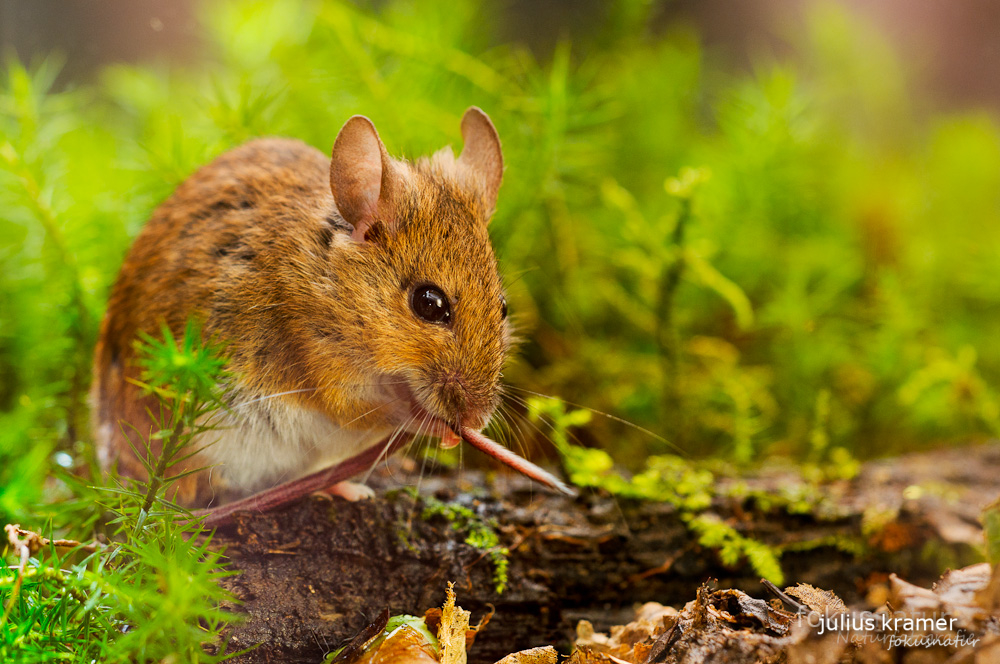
(732, 547)
(667, 479)
(480, 533)
(855, 546)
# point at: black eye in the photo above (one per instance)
(503, 307)
(430, 304)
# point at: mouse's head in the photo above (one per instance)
(418, 294)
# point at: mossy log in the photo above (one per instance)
(313, 575)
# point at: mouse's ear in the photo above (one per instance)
(362, 175)
(481, 154)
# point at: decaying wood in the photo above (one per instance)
(312, 576)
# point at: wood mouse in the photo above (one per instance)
(358, 296)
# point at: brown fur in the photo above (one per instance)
(253, 245)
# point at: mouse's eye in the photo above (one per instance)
(430, 304)
(503, 307)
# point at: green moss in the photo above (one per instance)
(854, 546)
(480, 534)
(665, 478)
(791, 497)
(733, 547)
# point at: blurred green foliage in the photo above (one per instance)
(795, 261)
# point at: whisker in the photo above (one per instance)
(506, 433)
(367, 413)
(423, 462)
(423, 467)
(319, 443)
(509, 434)
(314, 389)
(521, 441)
(609, 416)
(273, 396)
(541, 418)
(389, 442)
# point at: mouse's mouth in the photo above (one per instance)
(406, 410)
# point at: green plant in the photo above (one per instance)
(732, 547)
(480, 534)
(665, 478)
(152, 593)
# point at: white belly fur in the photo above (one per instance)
(264, 443)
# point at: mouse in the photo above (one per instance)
(358, 296)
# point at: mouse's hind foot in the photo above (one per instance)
(351, 491)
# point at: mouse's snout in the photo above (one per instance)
(467, 402)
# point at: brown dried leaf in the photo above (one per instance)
(592, 656)
(432, 618)
(741, 611)
(355, 648)
(542, 655)
(956, 595)
(636, 642)
(821, 601)
(651, 620)
(405, 645)
(453, 628)
(631, 642)
(989, 597)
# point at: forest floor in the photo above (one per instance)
(314, 575)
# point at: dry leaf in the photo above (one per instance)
(453, 628)
(821, 601)
(954, 595)
(542, 655)
(989, 597)
(432, 618)
(404, 645)
(631, 642)
(591, 656)
(739, 611)
(362, 640)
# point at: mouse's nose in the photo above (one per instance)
(467, 404)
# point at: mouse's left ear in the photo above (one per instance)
(363, 178)
(481, 156)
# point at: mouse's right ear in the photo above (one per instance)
(362, 176)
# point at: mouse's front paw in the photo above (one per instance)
(352, 491)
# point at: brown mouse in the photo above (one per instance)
(358, 297)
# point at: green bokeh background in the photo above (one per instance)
(837, 297)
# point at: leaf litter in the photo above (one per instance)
(955, 621)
